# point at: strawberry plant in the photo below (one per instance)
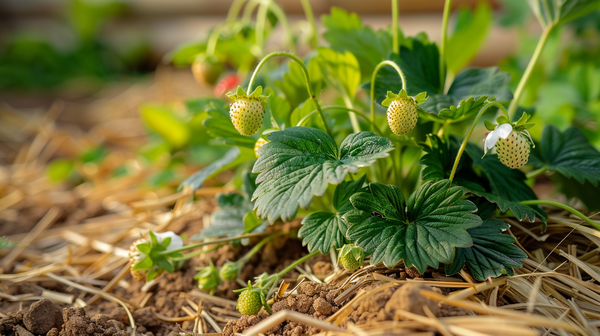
(379, 176)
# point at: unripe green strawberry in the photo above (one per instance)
(351, 257)
(247, 111)
(513, 151)
(249, 302)
(229, 271)
(259, 143)
(402, 111)
(207, 69)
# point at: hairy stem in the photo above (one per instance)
(374, 77)
(564, 207)
(353, 118)
(444, 37)
(466, 140)
(212, 242)
(308, 12)
(512, 108)
(395, 44)
(311, 93)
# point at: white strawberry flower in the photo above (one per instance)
(176, 241)
(502, 131)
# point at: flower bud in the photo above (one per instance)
(208, 278)
(230, 271)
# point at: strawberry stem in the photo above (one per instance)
(374, 77)
(308, 12)
(217, 241)
(309, 88)
(340, 107)
(466, 140)
(528, 71)
(261, 20)
(444, 38)
(395, 44)
(564, 207)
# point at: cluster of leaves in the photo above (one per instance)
(453, 222)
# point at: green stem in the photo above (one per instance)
(234, 10)
(248, 10)
(195, 253)
(564, 207)
(308, 12)
(374, 77)
(280, 14)
(261, 20)
(217, 241)
(296, 263)
(211, 45)
(311, 93)
(466, 140)
(395, 44)
(258, 246)
(339, 107)
(512, 108)
(447, 7)
(353, 118)
(440, 133)
(536, 173)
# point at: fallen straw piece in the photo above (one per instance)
(284, 315)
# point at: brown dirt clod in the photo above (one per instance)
(42, 316)
(409, 299)
(76, 323)
(11, 320)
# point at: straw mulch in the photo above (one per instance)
(80, 236)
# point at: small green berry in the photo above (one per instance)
(351, 257)
(229, 271)
(249, 302)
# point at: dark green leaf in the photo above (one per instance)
(492, 253)
(568, 153)
(423, 231)
(562, 11)
(521, 212)
(299, 163)
(345, 32)
(467, 91)
(323, 229)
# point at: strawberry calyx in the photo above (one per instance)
(241, 94)
(390, 97)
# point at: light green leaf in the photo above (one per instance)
(165, 123)
(340, 70)
(568, 153)
(293, 84)
(323, 229)
(299, 163)
(232, 158)
(492, 253)
(421, 232)
(471, 29)
(302, 111)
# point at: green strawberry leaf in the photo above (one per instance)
(568, 153)
(471, 29)
(232, 158)
(467, 91)
(299, 162)
(345, 32)
(323, 229)
(164, 122)
(234, 216)
(293, 85)
(219, 126)
(422, 232)
(464, 109)
(561, 11)
(492, 253)
(485, 177)
(340, 70)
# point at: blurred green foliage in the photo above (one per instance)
(29, 61)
